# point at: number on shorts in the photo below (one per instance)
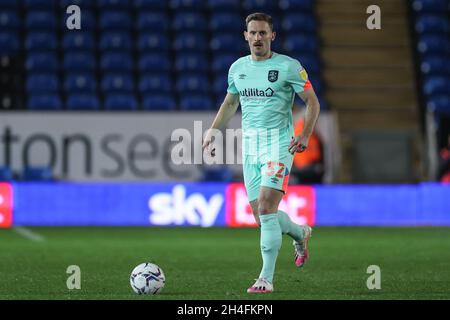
(271, 169)
(281, 171)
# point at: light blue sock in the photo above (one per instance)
(270, 244)
(290, 228)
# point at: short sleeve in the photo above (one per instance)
(298, 77)
(231, 87)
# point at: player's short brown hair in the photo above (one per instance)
(259, 16)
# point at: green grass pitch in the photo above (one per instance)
(220, 263)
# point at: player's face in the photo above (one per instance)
(259, 37)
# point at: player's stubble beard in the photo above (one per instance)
(262, 53)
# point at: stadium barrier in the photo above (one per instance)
(217, 204)
(126, 146)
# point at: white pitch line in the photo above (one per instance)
(30, 235)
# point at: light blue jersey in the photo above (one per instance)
(266, 91)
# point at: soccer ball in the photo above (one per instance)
(147, 278)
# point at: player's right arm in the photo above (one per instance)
(226, 112)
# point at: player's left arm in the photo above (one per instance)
(300, 142)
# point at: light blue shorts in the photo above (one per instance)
(268, 168)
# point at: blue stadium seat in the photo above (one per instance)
(117, 83)
(79, 61)
(296, 5)
(439, 104)
(433, 43)
(150, 4)
(436, 85)
(435, 64)
(437, 6)
(196, 102)
(432, 24)
(87, 21)
(80, 83)
(114, 61)
(316, 82)
(41, 62)
(40, 20)
(116, 41)
(83, 4)
(44, 102)
(114, 4)
(9, 42)
(83, 102)
(222, 62)
(6, 174)
(226, 22)
(41, 41)
(309, 62)
(158, 102)
(115, 21)
(120, 102)
(217, 173)
(152, 22)
(39, 4)
(154, 63)
(187, 5)
(39, 83)
(299, 23)
(190, 41)
(78, 40)
(155, 83)
(37, 173)
(9, 5)
(220, 85)
(300, 44)
(277, 21)
(189, 22)
(9, 21)
(260, 5)
(191, 62)
(153, 42)
(193, 83)
(219, 98)
(228, 43)
(323, 102)
(277, 46)
(224, 5)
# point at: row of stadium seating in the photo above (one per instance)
(430, 6)
(45, 173)
(148, 21)
(29, 173)
(146, 43)
(215, 5)
(433, 30)
(432, 27)
(157, 59)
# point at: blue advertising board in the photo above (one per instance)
(204, 204)
(119, 204)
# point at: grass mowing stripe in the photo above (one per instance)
(28, 234)
(220, 263)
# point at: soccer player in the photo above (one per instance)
(265, 84)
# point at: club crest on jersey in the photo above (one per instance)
(273, 75)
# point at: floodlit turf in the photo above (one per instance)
(221, 263)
